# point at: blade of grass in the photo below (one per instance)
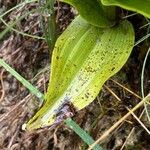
(17, 6)
(19, 32)
(69, 122)
(83, 135)
(142, 74)
(13, 23)
(142, 84)
(32, 89)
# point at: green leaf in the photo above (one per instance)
(69, 122)
(84, 57)
(83, 135)
(92, 11)
(139, 6)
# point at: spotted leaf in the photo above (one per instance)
(84, 57)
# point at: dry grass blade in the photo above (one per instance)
(126, 89)
(118, 122)
(145, 25)
(2, 84)
(139, 121)
(142, 39)
(127, 138)
(131, 15)
(112, 93)
(132, 131)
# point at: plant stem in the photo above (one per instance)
(50, 26)
(110, 12)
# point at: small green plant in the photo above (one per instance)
(92, 49)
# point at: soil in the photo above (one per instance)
(30, 57)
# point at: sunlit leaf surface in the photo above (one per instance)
(84, 57)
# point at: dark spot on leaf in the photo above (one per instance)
(86, 96)
(113, 69)
(88, 93)
(76, 90)
(75, 65)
